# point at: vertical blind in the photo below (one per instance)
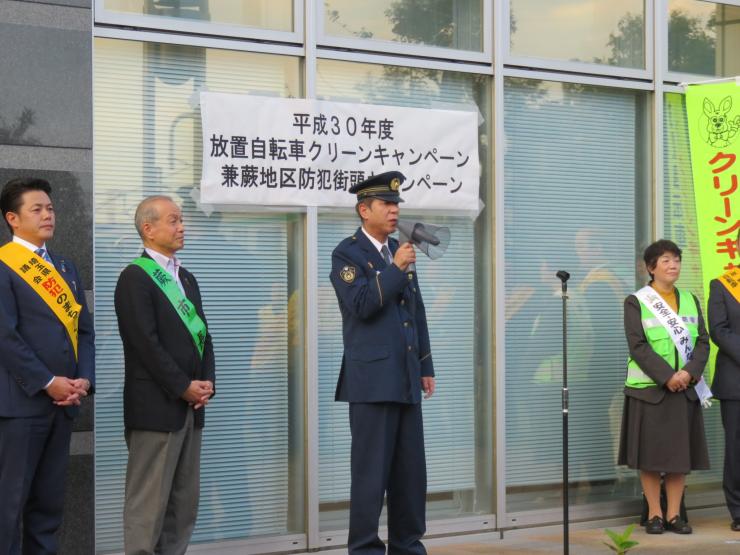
(680, 227)
(571, 182)
(147, 141)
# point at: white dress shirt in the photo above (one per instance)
(377, 244)
(31, 246)
(171, 265)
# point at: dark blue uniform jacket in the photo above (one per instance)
(386, 340)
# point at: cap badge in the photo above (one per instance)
(395, 184)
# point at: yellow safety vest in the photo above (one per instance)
(660, 340)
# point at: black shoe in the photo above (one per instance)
(654, 526)
(678, 525)
(735, 525)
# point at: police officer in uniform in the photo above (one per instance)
(387, 363)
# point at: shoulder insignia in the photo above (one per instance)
(370, 264)
(348, 274)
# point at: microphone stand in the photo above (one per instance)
(563, 276)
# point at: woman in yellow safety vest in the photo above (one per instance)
(662, 423)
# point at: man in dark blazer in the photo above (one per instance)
(169, 378)
(386, 365)
(46, 367)
(724, 329)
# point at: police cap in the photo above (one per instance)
(384, 186)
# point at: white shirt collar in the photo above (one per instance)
(29, 246)
(169, 264)
(378, 245)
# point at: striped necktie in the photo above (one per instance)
(43, 253)
(386, 255)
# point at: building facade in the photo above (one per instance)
(584, 153)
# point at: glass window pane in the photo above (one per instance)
(600, 31)
(32, 59)
(456, 290)
(276, 15)
(148, 140)
(680, 226)
(703, 38)
(585, 213)
(442, 23)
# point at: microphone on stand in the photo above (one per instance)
(564, 276)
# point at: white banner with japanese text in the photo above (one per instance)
(293, 152)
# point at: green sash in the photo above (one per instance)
(180, 302)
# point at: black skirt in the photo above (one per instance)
(663, 437)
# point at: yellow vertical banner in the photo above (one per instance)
(713, 119)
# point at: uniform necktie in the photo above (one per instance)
(386, 255)
(44, 254)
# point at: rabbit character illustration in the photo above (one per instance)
(719, 127)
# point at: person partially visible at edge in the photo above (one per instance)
(662, 423)
(47, 366)
(169, 379)
(723, 313)
(387, 363)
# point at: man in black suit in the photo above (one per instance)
(724, 328)
(170, 374)
(387, 363)
(47, 364)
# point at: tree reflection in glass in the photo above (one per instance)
(445, 23)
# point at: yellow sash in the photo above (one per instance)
(47, 283)
(731, 280)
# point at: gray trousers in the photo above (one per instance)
(162, 490)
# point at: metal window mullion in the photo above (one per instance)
(312, 305)
(312, 379)
(406, 49)
(672, 88)
(488, 24)
(299, 20)
(390, 60)
(578, 67)
(500, 38)
(651, 48)
(578, 78)
(199, 41)
(309, 48)
(725, 2)
(696, 78)
(660, 47)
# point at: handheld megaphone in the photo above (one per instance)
(432, 240)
